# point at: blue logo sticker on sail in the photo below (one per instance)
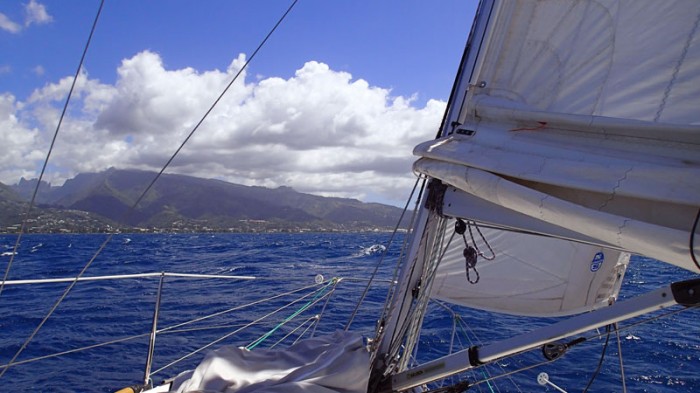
(597, 261)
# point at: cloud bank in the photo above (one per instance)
(320, 131)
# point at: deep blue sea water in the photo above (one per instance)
(659, 356)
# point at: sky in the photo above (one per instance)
(331, 105)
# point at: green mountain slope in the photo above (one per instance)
(188, 203)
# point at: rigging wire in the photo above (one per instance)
(233, 309)
(410, 330)
(393, 289)
(381, 260)
(211, 108)
(43, 169)
(391, 292)
(144, 193)
(303, 308)
(311, 321)
(173, 329)
(510, 373)
(48, 154)
(320, 314)
(395, 345)
(589, 338)
(93, 346)
(457, 320)
(227, 335)
(463, 325)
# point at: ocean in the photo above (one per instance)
(660, 355)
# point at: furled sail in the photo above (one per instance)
(581, 121)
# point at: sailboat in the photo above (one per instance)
(571, 141)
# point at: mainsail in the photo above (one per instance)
(583, 117)
(571, 140)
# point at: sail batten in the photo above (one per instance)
(500, 110)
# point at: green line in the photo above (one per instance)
(294, 315)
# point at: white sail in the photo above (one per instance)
(569, 129)
(530, 274)
(572, 136)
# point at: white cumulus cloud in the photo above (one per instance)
(36, 13)
(320, 131)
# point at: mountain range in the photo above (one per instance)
(186, 203)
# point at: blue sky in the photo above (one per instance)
(151, 61)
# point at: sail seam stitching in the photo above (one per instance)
(619, 232)
(542, 215)
(615, 188)
(676, 70)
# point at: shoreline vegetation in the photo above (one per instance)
(57, 221)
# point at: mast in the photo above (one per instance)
(400, 310)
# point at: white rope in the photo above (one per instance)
(314, 320)
(234, 309)
(123, 276)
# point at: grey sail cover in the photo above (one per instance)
(337, 363)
